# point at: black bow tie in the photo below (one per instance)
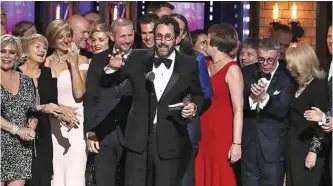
(158, 61)
(260, 74)
(267, 76)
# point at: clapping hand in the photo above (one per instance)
(116, 60)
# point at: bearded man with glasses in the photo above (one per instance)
(162, 80)
(268, 91)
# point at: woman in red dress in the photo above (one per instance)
(221, 125)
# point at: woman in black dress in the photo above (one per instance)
(304, 158)
(34, 47)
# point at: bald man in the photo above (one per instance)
(3, 17)
(80, 28)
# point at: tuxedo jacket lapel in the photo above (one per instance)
(148, 67)
(274, 82)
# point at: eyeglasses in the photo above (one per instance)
(166, 38)
(268, 60)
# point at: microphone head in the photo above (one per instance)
(150, 76)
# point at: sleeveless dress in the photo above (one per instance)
(69, 148)
(16, 154)
(212, 165)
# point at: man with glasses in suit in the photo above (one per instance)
(268, 91)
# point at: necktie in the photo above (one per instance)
(158, 61)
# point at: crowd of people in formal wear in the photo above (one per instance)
(93, 104)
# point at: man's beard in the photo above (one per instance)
(161, 54)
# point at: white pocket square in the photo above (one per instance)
(276, 93)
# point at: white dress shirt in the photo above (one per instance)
(262, 104)
(162, 77)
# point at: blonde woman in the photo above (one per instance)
(304, 160)
(100, 37)
(69, 152)
(17, 99)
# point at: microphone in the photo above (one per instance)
(150, 76)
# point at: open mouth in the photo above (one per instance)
(41, 55)
(6, 61)
(98, 48)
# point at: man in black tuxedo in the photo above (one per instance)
(105, 129)
(268, 91)
(156, 133)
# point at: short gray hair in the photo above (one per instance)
(120, 22)
(269, 44)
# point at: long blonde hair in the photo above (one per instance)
(304, 63)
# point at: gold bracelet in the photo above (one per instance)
(236, 143)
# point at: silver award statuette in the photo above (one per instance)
(187, 99)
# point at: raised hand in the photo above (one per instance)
(116, 60)
(73, 52)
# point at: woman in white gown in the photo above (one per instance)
(69, 148)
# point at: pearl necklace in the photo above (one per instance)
(61, 61)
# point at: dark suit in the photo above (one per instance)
(264, 132)
(106, 115)
(169, 146)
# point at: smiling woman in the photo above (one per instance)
(100, 37)
(17, 99)
(34, 47)
(69, 152)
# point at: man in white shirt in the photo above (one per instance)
(268, 91)
(156, 132)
